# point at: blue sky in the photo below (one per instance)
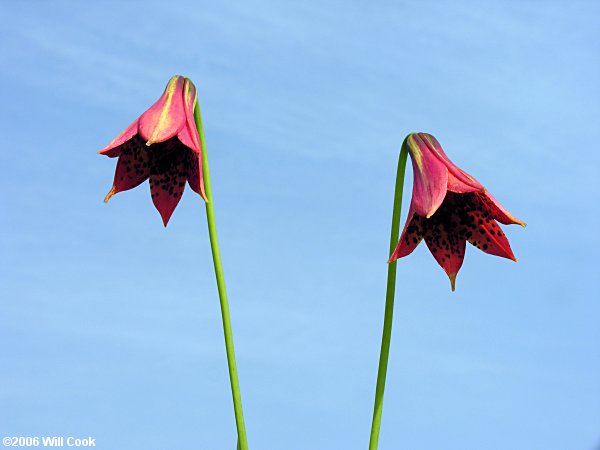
(109, 323)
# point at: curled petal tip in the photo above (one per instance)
(452, 281)
(202, 192)
(518, 222)
(109, 195)
(111, 152)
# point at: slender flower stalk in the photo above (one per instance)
(214, 245)
(166, 145)
(448, 208)
(389, 302)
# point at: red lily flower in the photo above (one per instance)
(163, 145)
(448, 208)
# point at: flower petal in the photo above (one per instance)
(194, 174)
(411, 236)
(458, 180)
(497, 211)
(447, 247)
(168, 174)
(481, 230)
(114, 148)
(489, 238)
(186, 137)
(166, 117)
(457, 185)
(132, 167)
(430, 177)
(443, 235)
(189, 133)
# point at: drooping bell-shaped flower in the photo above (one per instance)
(162, 145)
(448, 208)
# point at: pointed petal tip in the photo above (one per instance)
(510, 255)
(203, 195)
(394, 256)
(109, 195)
(165, 219)
(108, 151)
(516, 221)
(165, 215)
(452, 277)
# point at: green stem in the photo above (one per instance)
(389, 302)
(214, 245)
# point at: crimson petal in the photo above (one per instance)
(489, 238)
(167, 178)
(496, 210)
(166, 117)
(412, 234)
(481, 230)
(194, 174)
(132, 167)
(116, 146)
(444, 235)
(458, 180)
(430, 177)
(447, 247)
